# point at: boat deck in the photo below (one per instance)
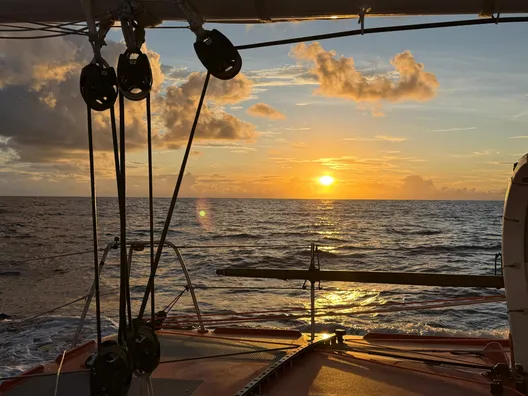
(278, 362)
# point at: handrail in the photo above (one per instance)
(137, 245)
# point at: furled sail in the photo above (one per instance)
(252, 11)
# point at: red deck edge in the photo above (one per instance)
(70, 353)
(8, 384)
(433, 339)
(258, 332)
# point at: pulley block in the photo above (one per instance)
(134, 75)
(111, 371)
(145, 348)
(218, 55)
(98, 86)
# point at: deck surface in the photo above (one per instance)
(360, 366)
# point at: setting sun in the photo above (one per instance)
(326, 180)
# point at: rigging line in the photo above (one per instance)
(175, 194)
(21, 29)
(52, 257)
(116, 147)
(122, 217)
(32, 29)
(45, 26)
(481, 299)
(244, 246)
(53, 310)
(58, 373)
(94, 225)
(151, 207)
(419, 359)
(230, 354)
(385, 29)
(375, 348)
(169, 307)
(328, 314)
(40, 37)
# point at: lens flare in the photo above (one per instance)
(204, 214)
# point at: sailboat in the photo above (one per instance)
(157, 354)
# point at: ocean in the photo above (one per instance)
(459, 237)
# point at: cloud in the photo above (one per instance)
(518, 137)
(44, 116)
(417, 187)
(339, 77)
(454, 129)
(178, 107)
(266, 111)
(290, 75)
(384, 138)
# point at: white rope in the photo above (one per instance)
(58, 373)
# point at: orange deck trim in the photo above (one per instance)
(258, 332)
(70, 353)
(6, 385)
(434, 339)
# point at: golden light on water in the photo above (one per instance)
(202, 213)
(326, 180)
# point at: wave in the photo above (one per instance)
(237, 236)
(413, 232)
(449, 248)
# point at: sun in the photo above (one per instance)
(326, 180)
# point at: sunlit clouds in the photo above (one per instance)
(360, 118)
(266, 111)
(339, 77)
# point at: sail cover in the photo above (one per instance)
(254, 11)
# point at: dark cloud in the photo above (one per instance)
(43, 115)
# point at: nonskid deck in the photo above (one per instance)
(270, 362)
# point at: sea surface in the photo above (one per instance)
(460, 237)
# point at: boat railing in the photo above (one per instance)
(313, 275)
(132, 247)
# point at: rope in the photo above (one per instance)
(233, 320)
(351, 357)
(243, 246)
(123, 278)
(374, 350)
(229, 354)
(397, 28)
(58, 373)
(51, 257)
(150, 284)
(151, 207)
(173, 302)
(93, 198)
(208, 337)
(350, 306)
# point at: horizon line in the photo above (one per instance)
(267, 198)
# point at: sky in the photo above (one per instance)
(436, 114)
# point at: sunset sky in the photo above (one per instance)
(439, 114)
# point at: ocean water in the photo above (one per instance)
(417, 236)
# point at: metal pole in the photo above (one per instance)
(312, 312)
(90, 296)
(191, 288)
